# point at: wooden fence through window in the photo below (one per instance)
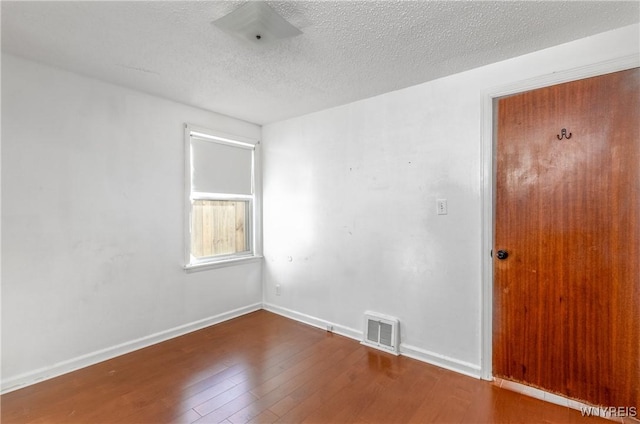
(218, 227)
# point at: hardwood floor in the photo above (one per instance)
(263, 368)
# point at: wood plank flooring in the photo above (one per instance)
(263, 368)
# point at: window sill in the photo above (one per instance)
(221, 264)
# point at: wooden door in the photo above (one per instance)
(567, 296)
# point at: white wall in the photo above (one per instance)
(350, 195)
(92, 223)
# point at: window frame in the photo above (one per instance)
(253, 254)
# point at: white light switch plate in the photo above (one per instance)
(442, 206)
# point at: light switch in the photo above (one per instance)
(442, 206)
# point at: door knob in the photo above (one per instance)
(502, 254)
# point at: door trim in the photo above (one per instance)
(487, 180)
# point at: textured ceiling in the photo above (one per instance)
(348, 50)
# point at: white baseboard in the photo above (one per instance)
(442, 361)
(19, 381)
(621, 415)
(314, 322)
(436, 359)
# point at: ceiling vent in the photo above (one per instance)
(256, 22)
(381, 332)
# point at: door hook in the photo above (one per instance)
(563, 134)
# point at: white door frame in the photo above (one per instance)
(487, 178)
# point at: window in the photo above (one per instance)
(221, 198)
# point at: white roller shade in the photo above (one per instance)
(220, 167)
